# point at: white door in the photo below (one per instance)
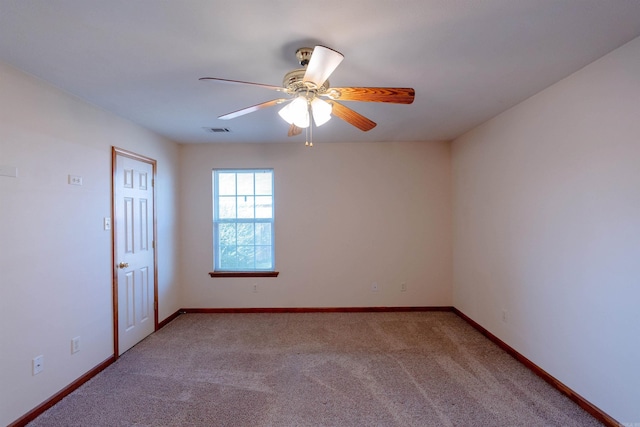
(134, 248)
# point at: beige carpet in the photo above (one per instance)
(316, 369)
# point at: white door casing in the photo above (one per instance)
(134, 249)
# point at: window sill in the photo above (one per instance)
(215, 274)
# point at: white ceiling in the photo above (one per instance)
(468, 60)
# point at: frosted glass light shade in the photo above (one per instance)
(296, 112)
(321, 111)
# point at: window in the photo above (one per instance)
(243, 220)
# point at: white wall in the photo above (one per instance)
(547, 227)
(55, 260)
(347, 214)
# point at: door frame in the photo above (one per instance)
(115, 152)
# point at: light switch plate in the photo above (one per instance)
(75, 345)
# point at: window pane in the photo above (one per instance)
(245, 258)
(264, 183)
(227, 234)
(227, 207)
(245, 184)
(226, 184)
(263, 257)
(263, 234)
(264, 207)
(245, 234)
(245, 206)
(228, 258)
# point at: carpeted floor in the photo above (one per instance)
(316, 369)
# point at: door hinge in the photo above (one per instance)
(153, 244)
(153, 182)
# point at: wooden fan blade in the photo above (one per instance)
(294, 130)
(322, 63)
(251, 109)
(394, 95)
(351, 117)
(215, 79)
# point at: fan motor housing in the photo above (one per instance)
(294, 82)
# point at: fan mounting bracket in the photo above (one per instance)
(304, 55)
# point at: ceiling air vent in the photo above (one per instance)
(217, 130)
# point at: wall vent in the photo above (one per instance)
(217, 130)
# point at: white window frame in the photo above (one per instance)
(217, 221)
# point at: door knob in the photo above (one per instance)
(123, 265)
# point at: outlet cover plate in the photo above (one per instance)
(38, 364)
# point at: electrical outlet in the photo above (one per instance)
(504, 316)
(75, 345)
(38, 364)
(107, 223)
(254, 288)
(403, 287)
(374, 287)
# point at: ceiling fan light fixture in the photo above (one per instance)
(309, 83)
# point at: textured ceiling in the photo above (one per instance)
(467, 60)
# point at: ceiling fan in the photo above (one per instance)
(311, 96)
